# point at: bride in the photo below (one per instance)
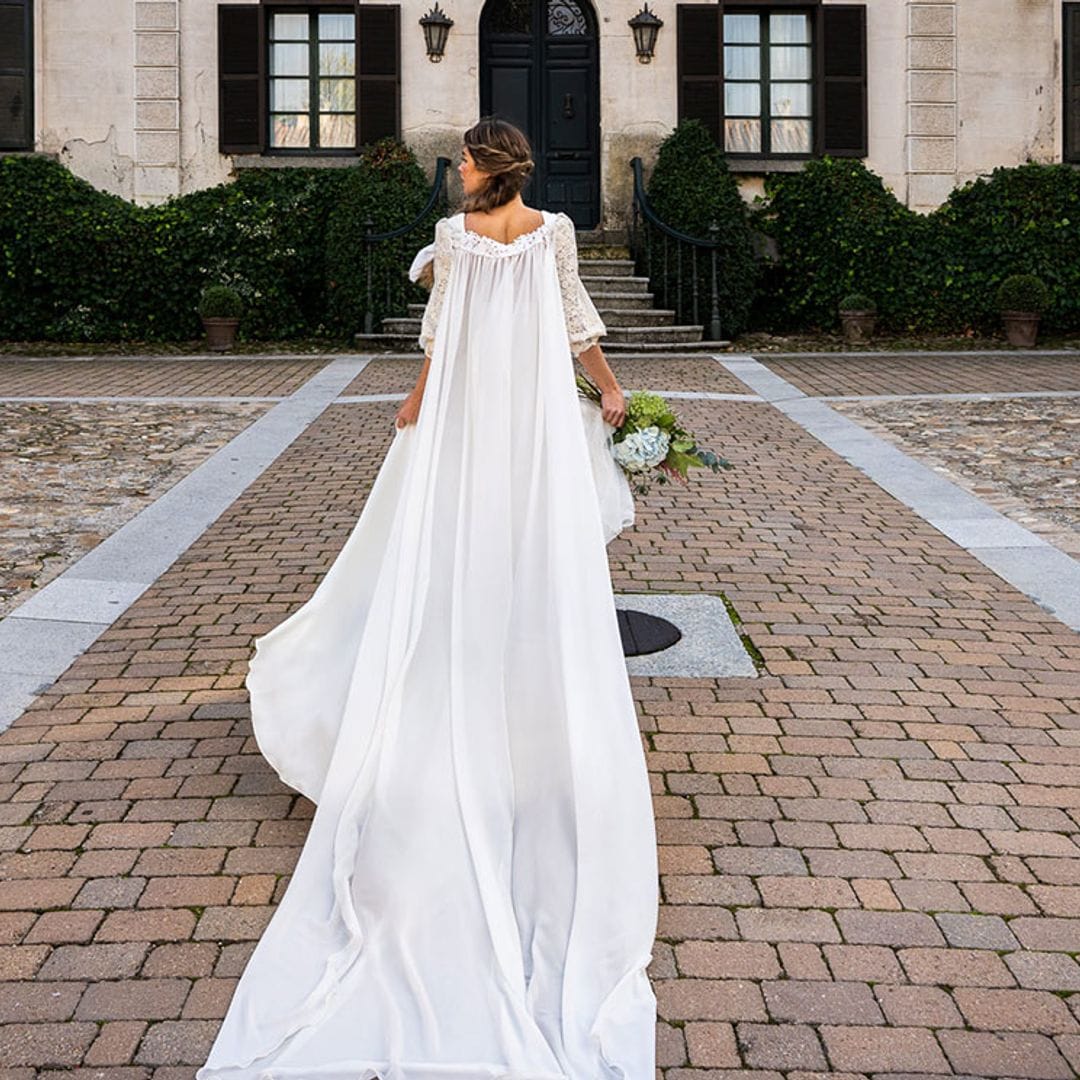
(477, 895)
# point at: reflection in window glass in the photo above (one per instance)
(337, 130)
(790, 99)
(289, 130)
(790, 136)
(742, 136)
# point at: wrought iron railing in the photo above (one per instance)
(682, 269)
(387, 255)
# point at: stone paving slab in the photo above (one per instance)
(152, 375)
(905, 373)
(870, 854)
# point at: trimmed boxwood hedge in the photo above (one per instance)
(839, 230)
(79, 264)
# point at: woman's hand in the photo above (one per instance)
(613, 406)
(410, 408)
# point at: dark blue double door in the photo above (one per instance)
(539, 69)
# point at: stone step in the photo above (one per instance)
(613, 282)
(611, 267)
(613, 314)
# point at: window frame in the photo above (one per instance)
(1070, 23)
(270, 8)
(29, 140)
(809, 8)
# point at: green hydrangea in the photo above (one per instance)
(645, 408)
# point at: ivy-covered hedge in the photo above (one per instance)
(838, 230)
(78, 264)
(690, 187)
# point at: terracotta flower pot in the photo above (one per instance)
(1021, 327)
(220, 332)
(858, 325)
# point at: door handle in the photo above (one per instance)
(568, 106)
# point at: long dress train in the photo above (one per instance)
(477, 894)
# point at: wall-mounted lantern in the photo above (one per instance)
(646, 26)
(436, 24)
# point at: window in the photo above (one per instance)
(785, 80)
(767, 83)
(1071, 50)
(16, 77)
(313, 80)
(303, 79)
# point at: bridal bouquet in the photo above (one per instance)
(651, 438)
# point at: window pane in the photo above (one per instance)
(742, 99)
(337, 58)
(789, 62)
(790, 136)
(742, 28)
(337, 131)
(789, 29)
(742, 136)
(289, 95)
(790, 99)
(337, 95)
(290, 130)
(336, 27)
(288, 60)
(742, 62)
(289, 26)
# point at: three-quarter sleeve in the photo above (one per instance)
(584, 327)
(441, 274)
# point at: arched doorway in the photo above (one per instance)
(540, 69)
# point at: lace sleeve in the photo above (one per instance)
(584, 327)
(441, 273)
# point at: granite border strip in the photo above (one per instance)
(43, 635)
(892, 354)
(147, 399)
(1045, 573)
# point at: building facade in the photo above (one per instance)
(153, 98)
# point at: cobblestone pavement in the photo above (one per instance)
(928, 374)
(1020, 455)
(149, 376)
(73, 473)
(870, 855)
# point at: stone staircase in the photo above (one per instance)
(621, 297)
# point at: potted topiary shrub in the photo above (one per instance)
(1021, 299)
(858, 314)
(220, 308)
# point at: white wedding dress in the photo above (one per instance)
(477, 895)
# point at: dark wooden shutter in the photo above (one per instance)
(378, 72)
(1071, 51)
(842, 87)
(697, 28)
(16, 82)
(241, 79)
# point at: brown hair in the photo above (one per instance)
(501, 149)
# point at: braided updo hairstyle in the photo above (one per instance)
(502, 150)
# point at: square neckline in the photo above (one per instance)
(544, 214)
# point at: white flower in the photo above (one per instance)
(642, 450)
